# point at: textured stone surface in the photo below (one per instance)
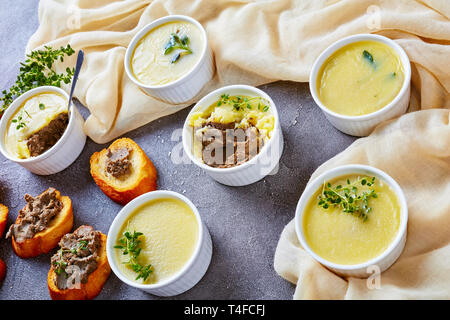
(244, 222)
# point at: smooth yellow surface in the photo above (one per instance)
(34, 118)
(244, 118)
(149, 64)
(349, 84)
(170, 231)
(341, 238)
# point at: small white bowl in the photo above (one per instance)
(256, 168)
(363, 125)
(190, 84)
(192, 271)
(65, 151)
(383, 261)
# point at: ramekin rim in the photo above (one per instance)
(17, 103)
(336, 172)
(145, 30)
(334, 47)
(125, 212)
(243, 166)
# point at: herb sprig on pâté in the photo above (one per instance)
(37, 71)
(60, 265)
(348, 197)
(240, 103)
(129, 243)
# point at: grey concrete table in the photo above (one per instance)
(245, 222)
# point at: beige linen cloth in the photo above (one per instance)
(257, 42)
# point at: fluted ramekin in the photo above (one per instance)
(189, 85)
(264, 163)
(363, 125)
(65, 151)
(393, 251)
(191, 273)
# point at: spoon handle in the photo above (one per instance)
(80, 59)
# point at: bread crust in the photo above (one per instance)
(88, 290)
(142, 181)
(46, 240)
(3, 218)
(2, 270)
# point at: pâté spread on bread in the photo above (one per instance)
(36, 216)
(80, 249)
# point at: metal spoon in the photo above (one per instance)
(80, 59)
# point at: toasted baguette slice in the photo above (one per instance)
(88, 290)
(46, 240)
(3, 218)
(2, 270)
(141, 178)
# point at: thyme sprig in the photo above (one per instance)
(60, 265)
(348, 198)
(180, 43)
(19, 121)
(129, 243)
(37, 71)
(82, 245)
(240, 103)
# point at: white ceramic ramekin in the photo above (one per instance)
(65, 151)
(389, 256)
(251, 171)
(192, 271)
(189, 85)
(363, 125)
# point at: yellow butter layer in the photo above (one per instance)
(151, 66)
(33, 115)
(170, 234)
(341, 238)
(255, 111)
(360, 78)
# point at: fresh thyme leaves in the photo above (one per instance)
(239, 103)
(82, 245)
(129, 243)
(348, 198)
(19, 121)
(180, 43)
(368, 56)
(60, 265)
(37, 71)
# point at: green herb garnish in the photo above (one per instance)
(41, 106)
(239, 103)
(19, 121)
(368, 56)
(82, 245)
(348, 198)
(60, 265)
(129, 243)
(37, 71)
(181, 44)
